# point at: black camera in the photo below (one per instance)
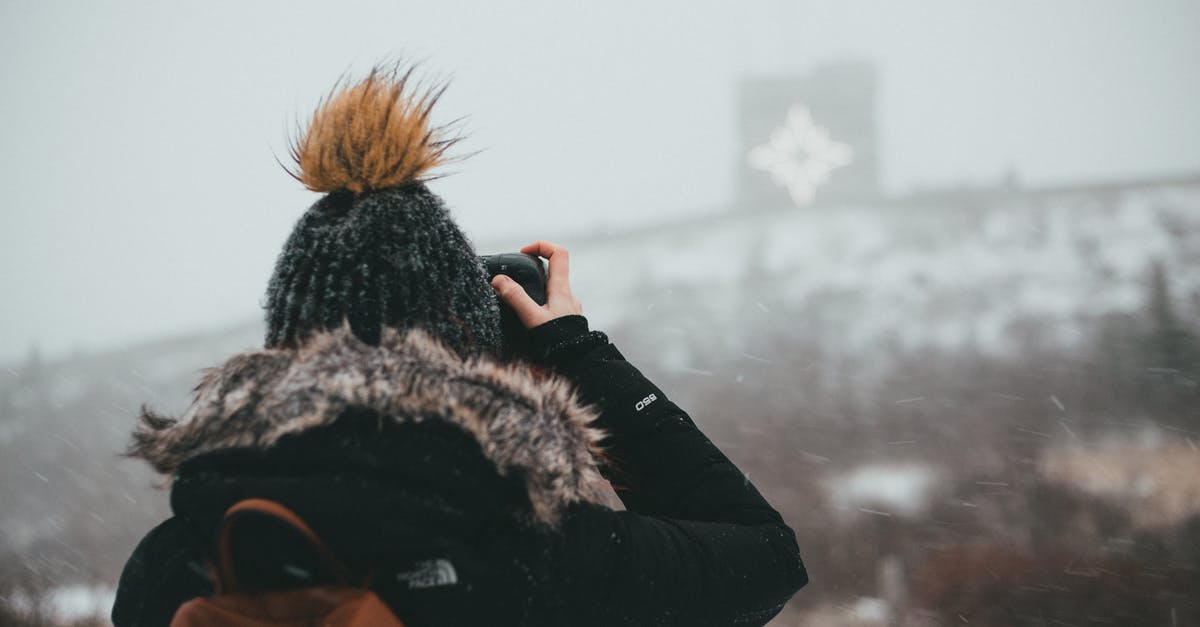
(529, 271)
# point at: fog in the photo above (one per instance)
(925, 271)
(140, 140)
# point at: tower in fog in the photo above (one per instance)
(808, 140)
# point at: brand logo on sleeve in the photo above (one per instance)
(645, 401)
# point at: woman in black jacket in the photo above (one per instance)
(470, 488)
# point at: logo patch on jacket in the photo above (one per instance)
(429, 574)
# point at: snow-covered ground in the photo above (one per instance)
(942, 272)
(68, 603)
(901, 489)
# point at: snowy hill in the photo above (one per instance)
(950, 270)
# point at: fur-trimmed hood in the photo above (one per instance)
(525, 424)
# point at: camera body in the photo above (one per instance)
(529, 271)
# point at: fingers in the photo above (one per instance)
(528, 311)
(559, 281)
(559, 302)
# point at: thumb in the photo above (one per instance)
(528, 311)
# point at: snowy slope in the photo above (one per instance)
(949, 272)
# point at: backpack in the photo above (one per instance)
(235, 604)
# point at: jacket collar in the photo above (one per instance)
(528, 426)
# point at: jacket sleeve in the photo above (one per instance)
(698, 545)
(164, 571)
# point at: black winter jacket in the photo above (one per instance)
(698, 545)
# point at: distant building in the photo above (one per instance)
(808, 139)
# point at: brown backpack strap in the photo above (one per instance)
(226, 574)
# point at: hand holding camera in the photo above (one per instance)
(559, 300)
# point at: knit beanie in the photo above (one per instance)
(379, 248)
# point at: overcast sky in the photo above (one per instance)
(138, 140)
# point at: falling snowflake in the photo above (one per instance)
(800, 155)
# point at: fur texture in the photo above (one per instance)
(529, 427)
(371, 135)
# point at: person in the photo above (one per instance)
(466, 487)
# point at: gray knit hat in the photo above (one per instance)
(379, 249)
